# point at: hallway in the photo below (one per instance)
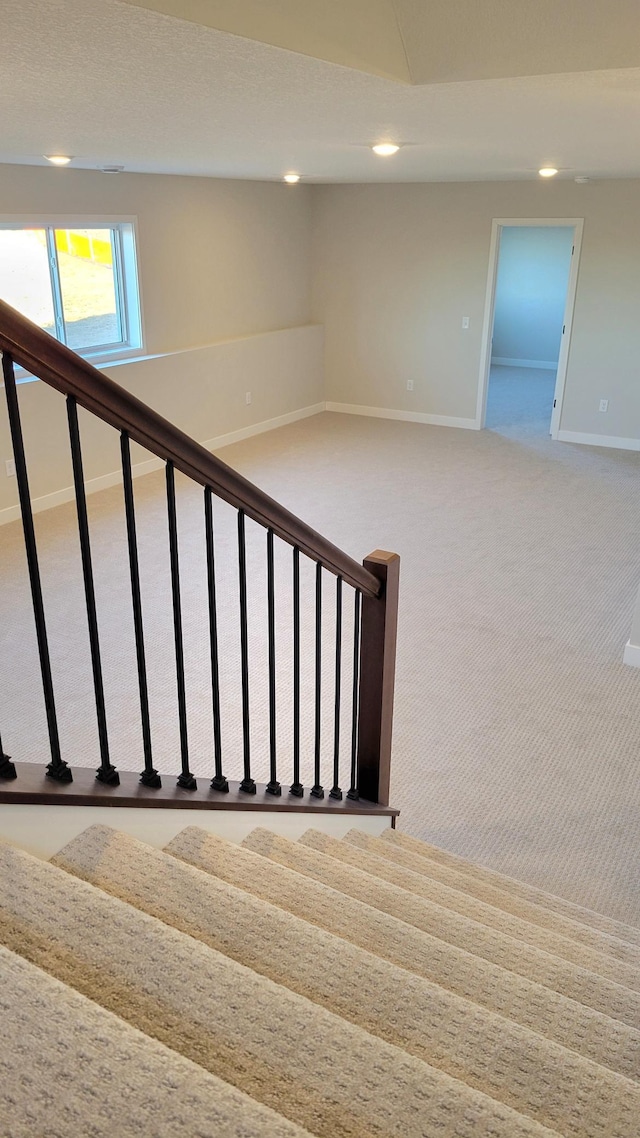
(520, 401)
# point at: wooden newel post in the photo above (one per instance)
(377, 676)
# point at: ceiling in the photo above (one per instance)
(473, 89)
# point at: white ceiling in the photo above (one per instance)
(116, 83)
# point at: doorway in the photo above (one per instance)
(533, 268)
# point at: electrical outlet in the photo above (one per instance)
(248, 398)
(604, 404)
(10, 468)
(409, 385)
(465, 322)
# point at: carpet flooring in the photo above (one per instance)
(520, 401)
(517, 731)
(272, 999)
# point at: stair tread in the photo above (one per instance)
(71, 1068)
(512, 1064)
(319, 897)
(265, 866)
(600, 989)
(277, 1046)
(559, 975)
(597, 955)
(491, 894)
(618, 929)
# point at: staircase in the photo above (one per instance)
(310, 633)
(355, 988)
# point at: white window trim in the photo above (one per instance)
(130, 278)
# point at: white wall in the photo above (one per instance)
(220, 262)
(396, 267)
(44, 831)
(531, 291)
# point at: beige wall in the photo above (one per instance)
(394, 269)
(202, 391)
(397, 267)
(220, 262)
(218, 259)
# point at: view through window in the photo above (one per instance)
(76, 283)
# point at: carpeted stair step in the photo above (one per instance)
(512, 1064)
(69, 1069)
(542, 921)
(265, 870)
(285, 1051)
(559, 975)
(532, 893)
(468, 906)
(411, 872)
(356, 852)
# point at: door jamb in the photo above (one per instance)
(497, 225)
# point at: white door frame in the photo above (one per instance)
(497, 225)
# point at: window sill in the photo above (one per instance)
(99, 360)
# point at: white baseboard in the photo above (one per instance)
(265, 425)
(506, 361)
(598, 440)
(106, 481)
(631, 654)
(405, 416)
(67, 494)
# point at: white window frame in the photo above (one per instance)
(126, 277)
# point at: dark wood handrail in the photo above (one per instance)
(43, 356)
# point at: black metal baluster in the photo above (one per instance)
(317, 790)
(353, 789)
(247, 784)
(106, 771)
(185, 779)
(218, 782)
(7, 768)
(57, 768)
(296, 787)
(335, 791)
(149, 776)
(273, 786)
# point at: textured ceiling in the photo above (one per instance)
(109, 82)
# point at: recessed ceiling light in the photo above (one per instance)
(57, 159)
(548, 172)
(582, 179)
(291, 179)
(385, 149)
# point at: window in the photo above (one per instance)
(79, 283)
